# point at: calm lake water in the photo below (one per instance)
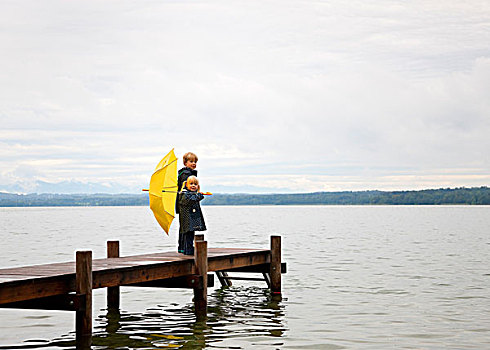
(359, 277)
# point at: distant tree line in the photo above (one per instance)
(470, 196)
(463, 195)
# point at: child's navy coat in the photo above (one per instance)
(190, 214)
(184, 173)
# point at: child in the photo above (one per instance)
(190, 163)
(190, 217)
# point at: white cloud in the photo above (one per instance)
(359, 93)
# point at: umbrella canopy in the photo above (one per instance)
(163, 190)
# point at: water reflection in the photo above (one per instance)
(237, 318)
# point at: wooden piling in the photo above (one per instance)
(113, 293)
(84, 288)
(275, 269)
(198, 237)
(201, 294)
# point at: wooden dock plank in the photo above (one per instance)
(28, 282)
(10, 278)
(223, 264)
(38, 287)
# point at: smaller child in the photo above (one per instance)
(190, 217)
(190, 163)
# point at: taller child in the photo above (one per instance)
(189, 169)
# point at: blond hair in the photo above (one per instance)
(193, 180)
(189, 156)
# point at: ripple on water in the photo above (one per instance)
(238, 317)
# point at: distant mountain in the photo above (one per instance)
(77, 187)
(468, 196)
(66, 187)
(71, 200)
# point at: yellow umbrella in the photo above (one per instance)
(163, 190)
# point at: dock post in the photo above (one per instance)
(113, 293)
(84, 287)
(198, 237)
(201, 294)
(275, 271)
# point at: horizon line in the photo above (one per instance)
(248, 193)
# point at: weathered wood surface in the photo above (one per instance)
(29, 282)
(201, 294)
(275, 266)
(84, 287)
(113, 293)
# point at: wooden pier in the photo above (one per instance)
(68, 286)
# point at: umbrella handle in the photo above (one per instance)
(204, 193)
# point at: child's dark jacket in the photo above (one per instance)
(190, 217)
(184, 173)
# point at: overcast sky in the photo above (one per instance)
(273, 96)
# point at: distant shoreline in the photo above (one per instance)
(442, 196)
